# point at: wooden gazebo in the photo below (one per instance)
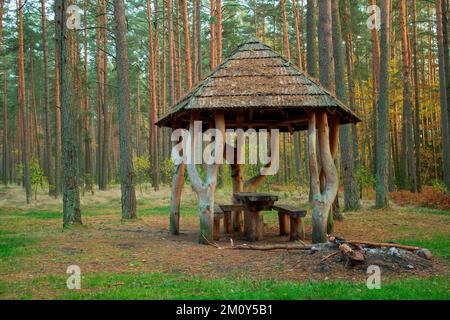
(257, 88)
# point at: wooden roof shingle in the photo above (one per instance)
(257, 78)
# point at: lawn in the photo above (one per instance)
(140, 260)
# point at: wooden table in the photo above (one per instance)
(254, 204)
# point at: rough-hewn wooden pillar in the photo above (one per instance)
(175, 198)
(205, 189)
(176, 191)
(237, 179)
(321, 200)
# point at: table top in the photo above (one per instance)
(255, 196)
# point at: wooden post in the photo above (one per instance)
(238, 186)
(216, 232)
(205, 190)
(175, 199)
(321, 200)
(297, 231)
(228, 222)
(175, 195)
(294, 229)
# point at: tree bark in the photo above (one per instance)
(187, 46)
(87, 134)
(311, 36)
(213, 36)
(443, 96)
(286, 48)
(153, 112)
(22, 106)
(205, 189)
(105, 107)
(407, 144)
(351, 188)
(126, 164)
(445, 35)
(383, 114)
(416, 97)
(5, 151)
(322, 200)
(70, 156)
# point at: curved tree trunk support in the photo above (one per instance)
(322, 200)
(205, 189)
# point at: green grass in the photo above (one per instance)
(428, 211)
(170, 286)
(164, 210)
(438, 243)
(13, 244)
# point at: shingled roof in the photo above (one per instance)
(264, 87)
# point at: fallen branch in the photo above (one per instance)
(330, 256)
(381, 244)
(259, 247)
(270, 247)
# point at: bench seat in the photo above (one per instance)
(294, 223)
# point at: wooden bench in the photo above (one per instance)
(297, 229)
(224, 211)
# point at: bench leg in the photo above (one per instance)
(259, 224)
(301, 229)
(216, 231)
(294, 229)
(238, 222)
(283, 219)
(228, 222)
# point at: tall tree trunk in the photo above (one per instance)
(445, 36)
(383, 111)
(87, 135)
(416, 97)
(138, 119)
(65, 43)
(212, 61)
(286, 49)
(153, 112)
(326, 61)
(194, 42)
(187, 45)
(311, 36)
(48, 137)
(99, 67)
(126, 163)
(443, 95)
(351, 188)
(407, 150)
(375, 87)
(105, 104)
(171, 53)
(21, 100)
(351, 85)
(219, 32)
(5, 151)
(297, 35)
